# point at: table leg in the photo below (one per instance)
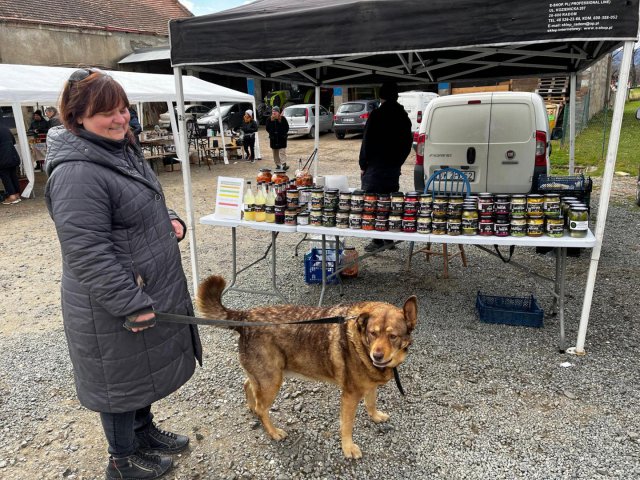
(234, 262)
(274, 235)
(324, 269)
(562, 270)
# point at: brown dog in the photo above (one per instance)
(358, 355)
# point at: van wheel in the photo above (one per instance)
(340, 135)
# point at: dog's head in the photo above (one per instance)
(386, 331)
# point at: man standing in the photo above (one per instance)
(278, 128)
(385, 146)
(54, 118)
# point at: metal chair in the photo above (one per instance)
(450, 181)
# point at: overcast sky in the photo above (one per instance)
(204, 7)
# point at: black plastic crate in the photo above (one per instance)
(519, 311)
(577, 186)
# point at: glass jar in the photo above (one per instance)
(317, 199)
(535, 205)
(440, 205)
(315, 218)
(395, 222)
(355, 220)
(424, 223)
(304, 179)
(469, 219)
(264, 175)
(369, 205)
(518, 227)
(425, 204)
(342, 219)
(383, 204)
(328, 217)
(350, 260)
(279, 176)
(291, 216)
(303, 218)
(397, 202)
(331, 198)
(555, 227)
(578, 221)
(409, 224)
(454, 226)
(344, 201)
(381, 224)
(518, 206)
(293, 198)
(535, 226)
(411, 203)
(485, 226)
(368, 221)
(502, 204)
(357, 201)
(304, 196)
(454, 207)
(501, 226)
(439, 226)
(552, 205)
(485, 205)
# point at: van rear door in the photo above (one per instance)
(512, 146)
(458, 137)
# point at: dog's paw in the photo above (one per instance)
(351, 450)
(379, 417)
(278, 434)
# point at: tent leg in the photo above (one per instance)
(224, 147)
(256, 147)
(25, 151)
(572, 124)
(607, 180)
(317, 136)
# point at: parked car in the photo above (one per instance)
(638, 179)
(232, 114)
(189, 110)
(351, 117)
(302, 119)
(415, 103)
(500, 140)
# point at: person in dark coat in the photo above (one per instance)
(38, 125)
(386, 143)
(134, 123)
(121, 261)
(278, 129)
(9, 161)
(249, 128)
(53, 116)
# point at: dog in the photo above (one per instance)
(358, 355)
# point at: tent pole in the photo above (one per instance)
(607, 180)
(572, 124)
(257, 152)
(224, 147)
(316, 143)
(183, 152)
(27, 161)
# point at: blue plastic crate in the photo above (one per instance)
(313, 265)
(519, 311)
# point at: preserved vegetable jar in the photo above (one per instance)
(395, 223)
(355, 220)
(357, 201)
(369, 205)
(485, 205)
(535, 226)
(342, 219)
(501, 226)
(502, 205)
(518, 227)
(424, 223)
(344, 201)
(317, 199)
(518, 206)
(279, 176)
(555, 227)
(368, 221)
(578, 221)
(411, 203)
(440, 205)
(409, 223)
(264, 175)
(552, 205)
(397, 202)
(485, 226)
(535, 205)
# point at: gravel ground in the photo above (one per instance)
(483, 401)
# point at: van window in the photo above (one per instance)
(460, 124)
(511, 122)
(351, 108)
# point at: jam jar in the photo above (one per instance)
(397, 202)
(535, 205)
(502, 204)
(279, 176)
(440, 204)
(342, 219)
(357, 201)
(368, 221)
(344, 201)
(469, 219)
(485, 226)
(355, 220)
(535, 226)
(518, 206)
(411, 203)
(424, 223)
(369, 205)
(264, 175)
(518, 227)
(552, 205)
(395, 222)
(409, 223)
(501, 226)
(485, 205)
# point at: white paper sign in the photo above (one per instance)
(229, 198)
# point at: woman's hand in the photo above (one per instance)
(178, 229)
(141, 318)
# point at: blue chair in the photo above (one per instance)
(449, 181)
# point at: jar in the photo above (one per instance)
(409, 222)
(331, 198)
(552, 205)
(344, 201)
(342, 219)
(485, 226)
(290, 216)
(369, 205)
(328, 217)
(535, 205)
(397, 202)
(425, 204)
(555, 227)
(439, 226)
(440, 205)
(535, 226)
(350, 259)
(381, 224)
(355, 220)
(315, 218)
(518, 227)
(317, 199)
(357, 201)
(485, 205)
(368, 221)
(454, 226)
(501, 226)
(578, 221)
(518, 206)
(383, 205)
(293, 198)
(395, 223)
(411, 200)
(279, 212)
(502, 205)
(424, 223)
(565, 205)
(304, 196)
(469, 219)
(454, 207)
(304, 179)
(264, 175)
(279, 176)
(567, 209)
(303, 218)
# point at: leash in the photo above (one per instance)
(187, 320)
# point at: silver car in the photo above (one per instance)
(302, 120)
(351, 117)
(191, 111)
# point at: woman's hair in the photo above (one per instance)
(87, 92)
(51, 109)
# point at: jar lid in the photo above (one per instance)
(469, 206)
(292, 209)
(519, 195)
(424, 195)
(328, 210)
(442, 197)
(534, 195)
(397, 194)
(357, 192)
(502, 218)
(345, 194)
(266, 170)
(303, 214)
(317, 190)
(578, 208)
(333, 191)
(551, 195)
(456, 198)
(412, 194)
(502, 198)
(485, 195)
(383, 196)
(278, 170)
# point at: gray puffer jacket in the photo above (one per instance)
(113, 226)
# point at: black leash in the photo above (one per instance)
(396, 376)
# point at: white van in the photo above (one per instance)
(500, 140)
(415, 103)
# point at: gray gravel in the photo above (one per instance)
(483, 401)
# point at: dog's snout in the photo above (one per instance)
(378, 356)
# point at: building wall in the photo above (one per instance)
(599, 81)
(46, 45)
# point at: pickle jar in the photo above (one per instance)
(315, 218)
(440, 205)
(535, 226)
(264, 175)
(395, 222)
(357, 201)
(381, 224)
(397, 202)
(317, 199)
(578, 221)
(279, 177)
(383, 204)
(355, 220)
(469, 219)
(369, 205)
(518, 206)
(535, 205)
(342, 219)
(424, 223)
(293, 198)
(454, 207)
(552, 205)
(344, 201)
(555, 227)
(409, 224)
(303, 218)
(425, 204)
(518, 227)
(368, 221)
(331, 198)
(328, 217)
(454, 226)
(411, 200)
(485, 226)
(439, 226)
(485, 205)
(501, 226)
(291, 216)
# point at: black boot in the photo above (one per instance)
(138, 466)
(155, 440)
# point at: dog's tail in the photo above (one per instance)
(209, 300)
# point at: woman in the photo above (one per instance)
(9, 161)
(278, 129)
(249, 127)
(120, 260)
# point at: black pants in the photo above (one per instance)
(120, 429)
(249, 143)
(9, 178)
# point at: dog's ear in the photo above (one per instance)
(410, 309)
(361, 321)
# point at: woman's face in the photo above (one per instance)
(112, 124)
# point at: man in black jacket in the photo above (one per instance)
(385, 146)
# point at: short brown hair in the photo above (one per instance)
(93, 93)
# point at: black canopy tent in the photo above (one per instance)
(364, 42)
